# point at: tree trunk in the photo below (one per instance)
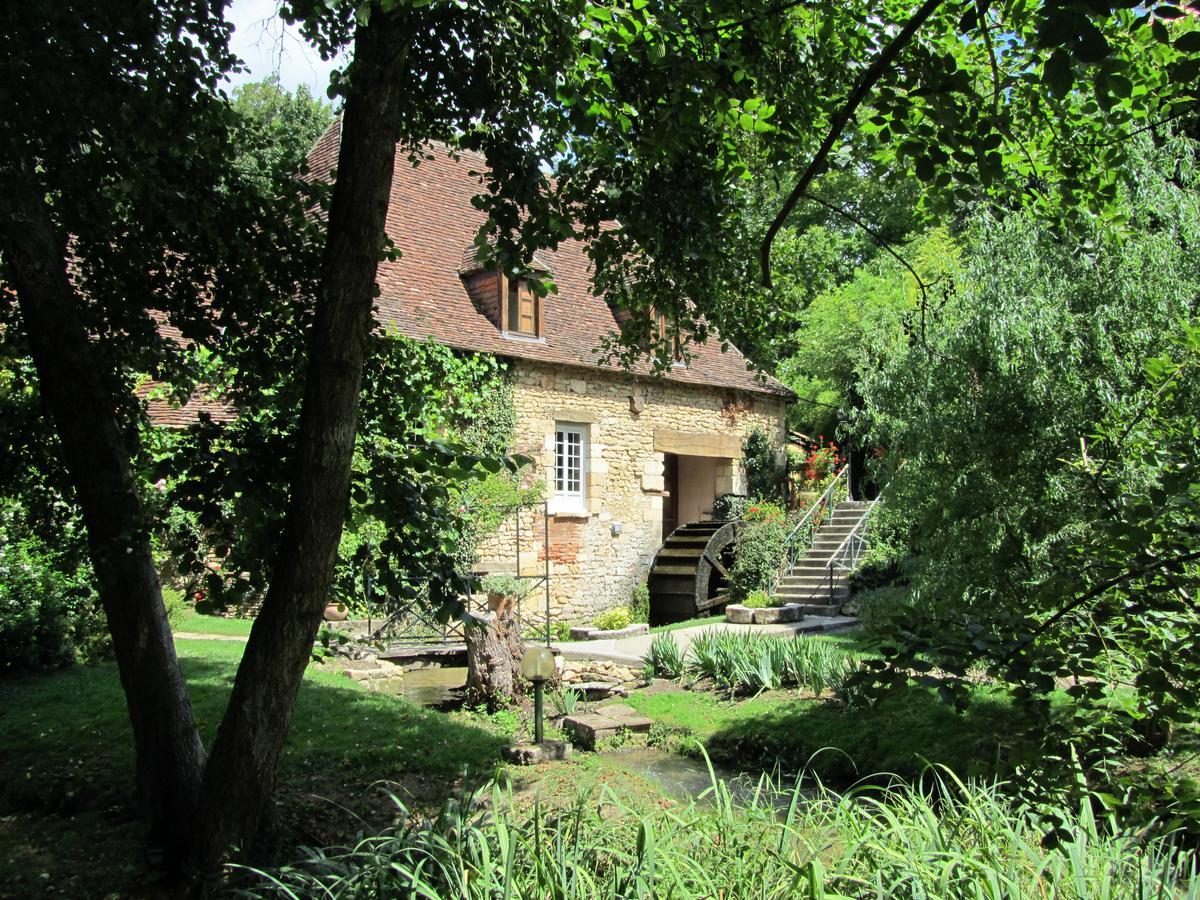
(78, 390)
(241, 769)
(494, 650)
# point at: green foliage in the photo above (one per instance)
(564, 701)
(506, 585)
(728, 507)
(1046, 423)
(764, 469)
(639, 603)
(613, 619)
(560, 631)
(757, 600)
(48, 611)
(750, 662)
(276, 129)
(760, 550)
(665, 659)
(943, 838)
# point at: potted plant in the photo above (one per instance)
(336, 611)
(503, 592)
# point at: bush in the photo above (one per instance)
(613, 619)
(760, 550)
(49, 617)
(507, 585)
(758, 600)
(764, 470)
(750, 662)
(729, 507)
(639, 603)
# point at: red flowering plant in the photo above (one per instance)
(823, 460)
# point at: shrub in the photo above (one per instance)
(665, 659)
(49, 617)
(728, 507)
(639, 603)
(758, 600)
(508, 585)
(560, 631)
(764, 470)
(760, 550)
(613, 619)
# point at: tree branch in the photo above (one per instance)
(838, 125)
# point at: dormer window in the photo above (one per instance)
(660, 329)
(520, 308)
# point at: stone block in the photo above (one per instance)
(775, 615)
(588, 728)
(529, 754)
(737, 614)
(653, 483)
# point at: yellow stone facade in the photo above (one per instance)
(599, 553)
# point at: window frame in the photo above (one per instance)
(567, 500)
(512, 291)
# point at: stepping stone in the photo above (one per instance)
(529, 754)
(588, 728)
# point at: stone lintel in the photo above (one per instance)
(682, 443)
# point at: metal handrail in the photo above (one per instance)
(792, 542)
(855, 539)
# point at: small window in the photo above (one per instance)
(570, 467)
(660, 329)
(523, 313)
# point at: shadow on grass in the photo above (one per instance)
(66, 758)
(900, 736)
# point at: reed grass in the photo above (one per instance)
(940, 839)
(751, 662)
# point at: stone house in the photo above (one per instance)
(625, 457)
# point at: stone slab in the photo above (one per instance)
(736, 614)
(776, 615)
(588, 728)
(530, 754)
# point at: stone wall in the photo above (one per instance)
(599, 554)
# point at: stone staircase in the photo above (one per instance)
(808, 582)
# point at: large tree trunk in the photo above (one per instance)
(494, 650)
(78, 391)
(241, 770)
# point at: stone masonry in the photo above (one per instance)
(599, 555)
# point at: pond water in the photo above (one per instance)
(434, 686)
(685, 778)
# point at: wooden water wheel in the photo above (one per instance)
(690, 571)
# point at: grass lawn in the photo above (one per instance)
(67, 761)
(198, 623)
(901, 735)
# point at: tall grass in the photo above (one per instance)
(969, 842)
(752, 662)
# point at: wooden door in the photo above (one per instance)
(670, 493)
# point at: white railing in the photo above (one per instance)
(800, 538)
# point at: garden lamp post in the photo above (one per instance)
(537, 665)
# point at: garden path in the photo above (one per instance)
(629, 651)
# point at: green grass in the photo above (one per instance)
(67, 757)
(198, 623)
(900, 735)
(687, 623)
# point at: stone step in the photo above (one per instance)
(790, 594)
(588, 728)
(811, 581)
(820, 609)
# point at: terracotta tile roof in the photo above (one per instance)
(164, 412)
(161, 409)
(424, 294)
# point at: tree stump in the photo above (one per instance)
(494, 649)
